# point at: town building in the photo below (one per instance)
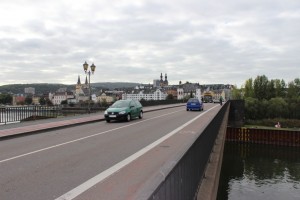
(103, 98)
(157, 94)
(18, 100)
(59, 96)
(187, 89)
(29, 90)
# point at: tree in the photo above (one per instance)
(251, 108)
(249, 91)
(5, 99)
(279, 88)
(64, 102)
(28, 100)
(186, 98)
(103, 102)
(42, 101)
(169, 97)
(271, 92)
(277, 108)
(236, 93)
(293, 88)
(191, 94)
(260, 86)
(297, 85)
(49, 102)
(293, 108)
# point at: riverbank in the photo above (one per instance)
(270, 123)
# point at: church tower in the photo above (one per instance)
(166, 82)
(162, 82)
(78, 86)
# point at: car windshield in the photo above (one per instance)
(120, 104)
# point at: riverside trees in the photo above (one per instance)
(270, 99)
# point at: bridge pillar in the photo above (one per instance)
(236, 113)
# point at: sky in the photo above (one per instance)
(206, 42)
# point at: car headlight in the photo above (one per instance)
(105, 112)
(122, 112)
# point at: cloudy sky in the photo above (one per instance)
(229, 41)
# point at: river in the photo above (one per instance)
(254, 172)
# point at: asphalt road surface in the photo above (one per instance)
(69, 163)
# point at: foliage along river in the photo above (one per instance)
(257, 172)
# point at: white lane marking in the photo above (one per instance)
(108, 172)
(83, 138)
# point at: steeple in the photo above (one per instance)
(161, 76)
(78, 86)
(166, 80)
(78, 82)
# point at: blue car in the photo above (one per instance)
(194, 104)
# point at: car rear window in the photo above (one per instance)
(193, 101)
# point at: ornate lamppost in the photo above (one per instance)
(88, 72)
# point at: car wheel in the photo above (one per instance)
(107, 120)
(187, 109)
(141, 115)
(128, 118)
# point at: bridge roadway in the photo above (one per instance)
(100, 160)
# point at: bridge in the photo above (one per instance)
(169, 154)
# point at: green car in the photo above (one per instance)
(124, 110)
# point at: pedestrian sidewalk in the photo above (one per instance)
(17, 129)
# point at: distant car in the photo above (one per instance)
(216, 100)
(124, 110)
(194, 104)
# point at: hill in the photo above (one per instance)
(45, 88)
(113, 85)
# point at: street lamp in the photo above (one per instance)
(88, 72)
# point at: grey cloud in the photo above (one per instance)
(196, 41)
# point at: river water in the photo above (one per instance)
(254, 172)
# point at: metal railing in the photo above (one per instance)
(183, 180)
(13, 114)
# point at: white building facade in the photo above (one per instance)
(58, 97)
(29, 90)
(181, 93)
(156, 95)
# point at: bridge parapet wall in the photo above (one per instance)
(183, 180)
